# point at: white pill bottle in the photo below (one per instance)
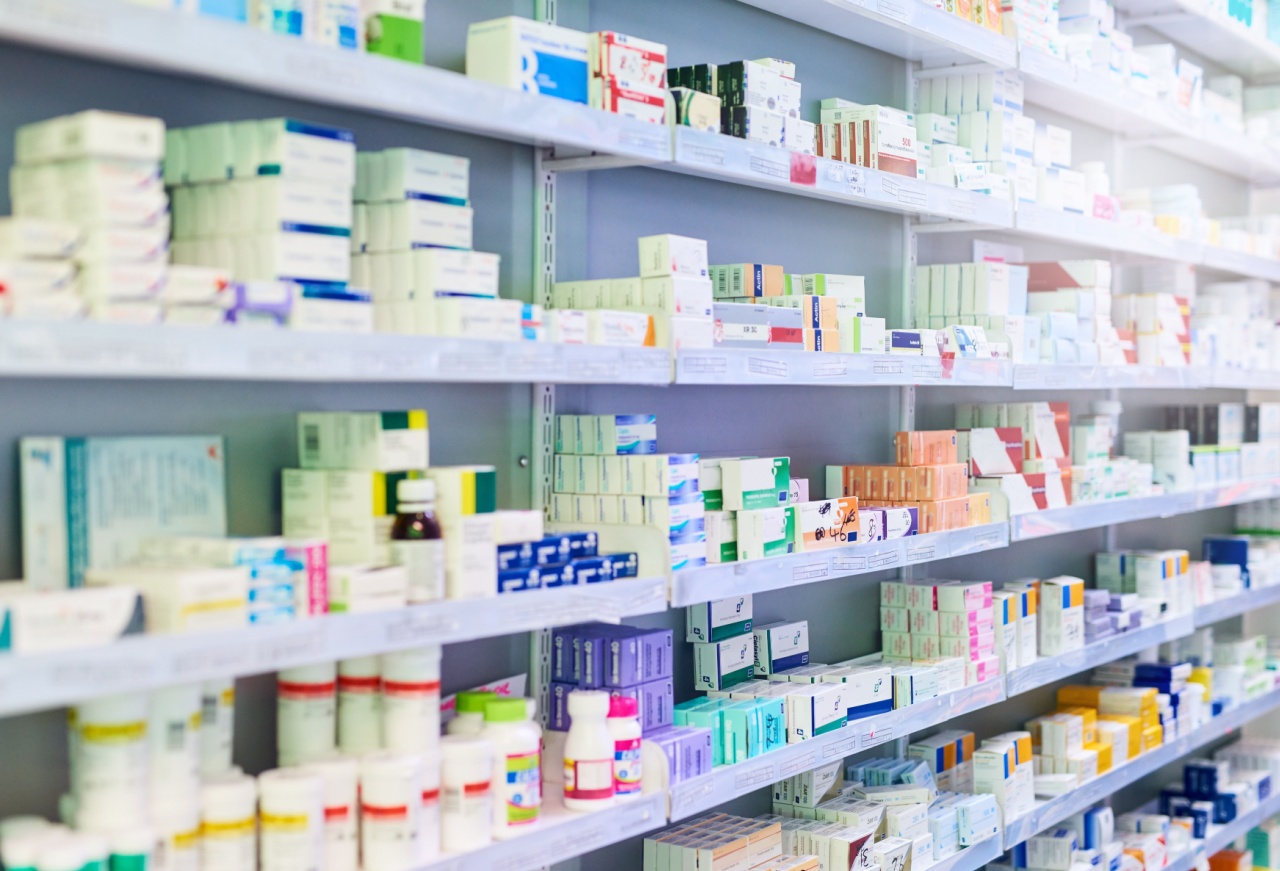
(517, 766)
(466, 793)
(588, 753)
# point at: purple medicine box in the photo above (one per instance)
(637, 656)
(655, 701)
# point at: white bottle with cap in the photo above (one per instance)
(466, 793)
(291, 810)
(411, 700)
(341, 844)
(360, 705)
(417, 541)
(390, 810)
(228, 824)
(306, 725)
(517, 766)
(588, 752)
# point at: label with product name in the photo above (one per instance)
(626, 766)
(523, 788)
(588, 779)
(423, 563)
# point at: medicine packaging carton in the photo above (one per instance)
(755, 483)
(781, 646)
(359, 589)
(389, 441)
(720, 619)
(394, 28)
(814, 710)
(91, 134)
(529, 56)
(672, 255)
(42, 621)
(826, 523)
(66, 521)
(720, 664)
(182, 600)
(764, 532)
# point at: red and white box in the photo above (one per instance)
(628, 98)
(991, 450)
(982, 670)
(1063, 274)
(963, 624)
(1046, 429)
(611, 54)
(971, 648)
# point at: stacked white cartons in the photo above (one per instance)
(1002, 766)
(991, 297)
(966, 627)
(1006, 610)
(628, 76)
(1073, 301)
(37, 274)
(271, 199)
(101, 171)
(1092, 41)
(427, 281)
(1034, 23)
(1168, 452)
(1161, 323)
(1061, 615)
(874, 136)
(675, 288)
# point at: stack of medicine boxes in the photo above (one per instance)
(823, 312)
(628, 76)
(623, 660)
(608, 471)
(1046, 449)
(760, 102)
(411, 246)
(924, 491)
(1002, 767)
(949, 755)
(1073, 300)
(100, 171)
(37, 271)
(670, 300)
(1061, 615)
(947, 625)
(992, 296)
(748, 515)
(271, 199)
(1157, 582)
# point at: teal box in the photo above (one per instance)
(234, 10)
(773, 722)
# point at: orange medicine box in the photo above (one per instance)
(1231, 860)
(979, 508)
(934, 482)
(925, 447)
(955, 513)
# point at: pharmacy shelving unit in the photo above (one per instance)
(194, 68)
(34, 681)
(1053, 811)
(1221, 837)
(96, 350)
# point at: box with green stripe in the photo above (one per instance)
(721, 664)
(375, 441)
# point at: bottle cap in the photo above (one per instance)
(589, 703)
(506, 711)
(624, 706)
(473, 701)
(416, 490)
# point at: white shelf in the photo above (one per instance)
(87, 349)
(1234, 606)
(731, 781)
(234, 54)
(1213, 35)
(143, 662)
(1071, 377)
(1092, 515)
(742, 366)
(720, 580)
(1052, 669)
(1221, 837)
(1241, 262)
(1105, 235)
(561, 835)
(713, 155)
(1240, 379)
(908, 29)
(1049, 813)
(1099, 100)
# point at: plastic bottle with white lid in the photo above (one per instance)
(517, 766)
(217, 722)
(291, 814)
(306, 725)
(360, 705)
(466, 793)
(132, 849)
(341, 795)
(97, 851)
(588, 752)
(624, 726)
(417, 541)
(64, 854)
(109, 775)
(20, 849)
(228, 824)
(390, 810)
(468, 707)
(177, 827)
(411, 700)
(174, 738)
(429, 824)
